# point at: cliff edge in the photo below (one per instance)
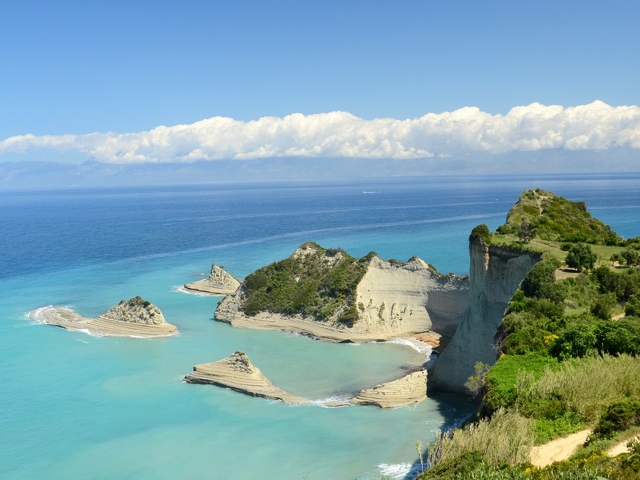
(496, 272)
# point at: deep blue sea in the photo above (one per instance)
(74, 406)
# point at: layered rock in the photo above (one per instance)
(135, 318)
(403, 299)
(390, 300)
(238, 373)
(404, 391)
(219, 282)
(496, 273)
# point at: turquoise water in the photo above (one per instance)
(77, 406)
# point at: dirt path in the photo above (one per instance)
(559, 449)
(620, 448)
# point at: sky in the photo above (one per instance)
(373, 79)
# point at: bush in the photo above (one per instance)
(481, 232)
(541, 282)
(581, 257)
(603, 305)
(617, 417)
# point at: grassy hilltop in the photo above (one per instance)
(569, 346)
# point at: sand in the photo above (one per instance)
(620, 448)
(101, 327)
(559, 449)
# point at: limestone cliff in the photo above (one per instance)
(495, 273)
(219, 282)
(410, 298)
(330, 295)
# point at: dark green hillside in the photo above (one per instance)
(320, 284)
(556, 219)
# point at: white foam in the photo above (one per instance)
(417, 345)
(399, 470)
(181, 289)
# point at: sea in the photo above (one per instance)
(74, 406)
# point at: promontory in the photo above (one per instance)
(329, 295)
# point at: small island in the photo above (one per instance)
(135, 318)
(219, 282)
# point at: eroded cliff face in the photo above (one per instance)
(410, 298)
(495, 274)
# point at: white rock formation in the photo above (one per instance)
(135, 318)
(402, 299)
(393, 300)
(219, 282)
(410, 389)
(496, 273)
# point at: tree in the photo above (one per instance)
(631, 256)
(581, 257)
(541, 282)
(526, 232)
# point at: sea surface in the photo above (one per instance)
(74, 406)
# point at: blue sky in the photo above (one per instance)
(82, 67)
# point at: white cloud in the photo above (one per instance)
(595, 126)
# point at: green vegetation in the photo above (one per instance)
(581, 257)
(569, 356)
(557, 219)
(136, 302)
(320, 284)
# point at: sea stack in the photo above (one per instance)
(135, 318)
(238, 373)
(219, 282)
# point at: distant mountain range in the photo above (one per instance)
(28, 175)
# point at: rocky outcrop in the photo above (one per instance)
(496, 273)
(136, 311)
(134, 318)
(219, 282)
(404, 391)
(238, 373)
(392, 300)
(403, 299)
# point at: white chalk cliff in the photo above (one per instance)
(219, 282)
(496, 272)
(392, 300)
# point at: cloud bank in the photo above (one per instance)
(596, 126)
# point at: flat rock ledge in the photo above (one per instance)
(219, 282)
(135, 318)
(238, 373)
(402, 392)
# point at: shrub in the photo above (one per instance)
(603, 305)
(617, 417)
(581, 257)
(541, 281)
(481, 232)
